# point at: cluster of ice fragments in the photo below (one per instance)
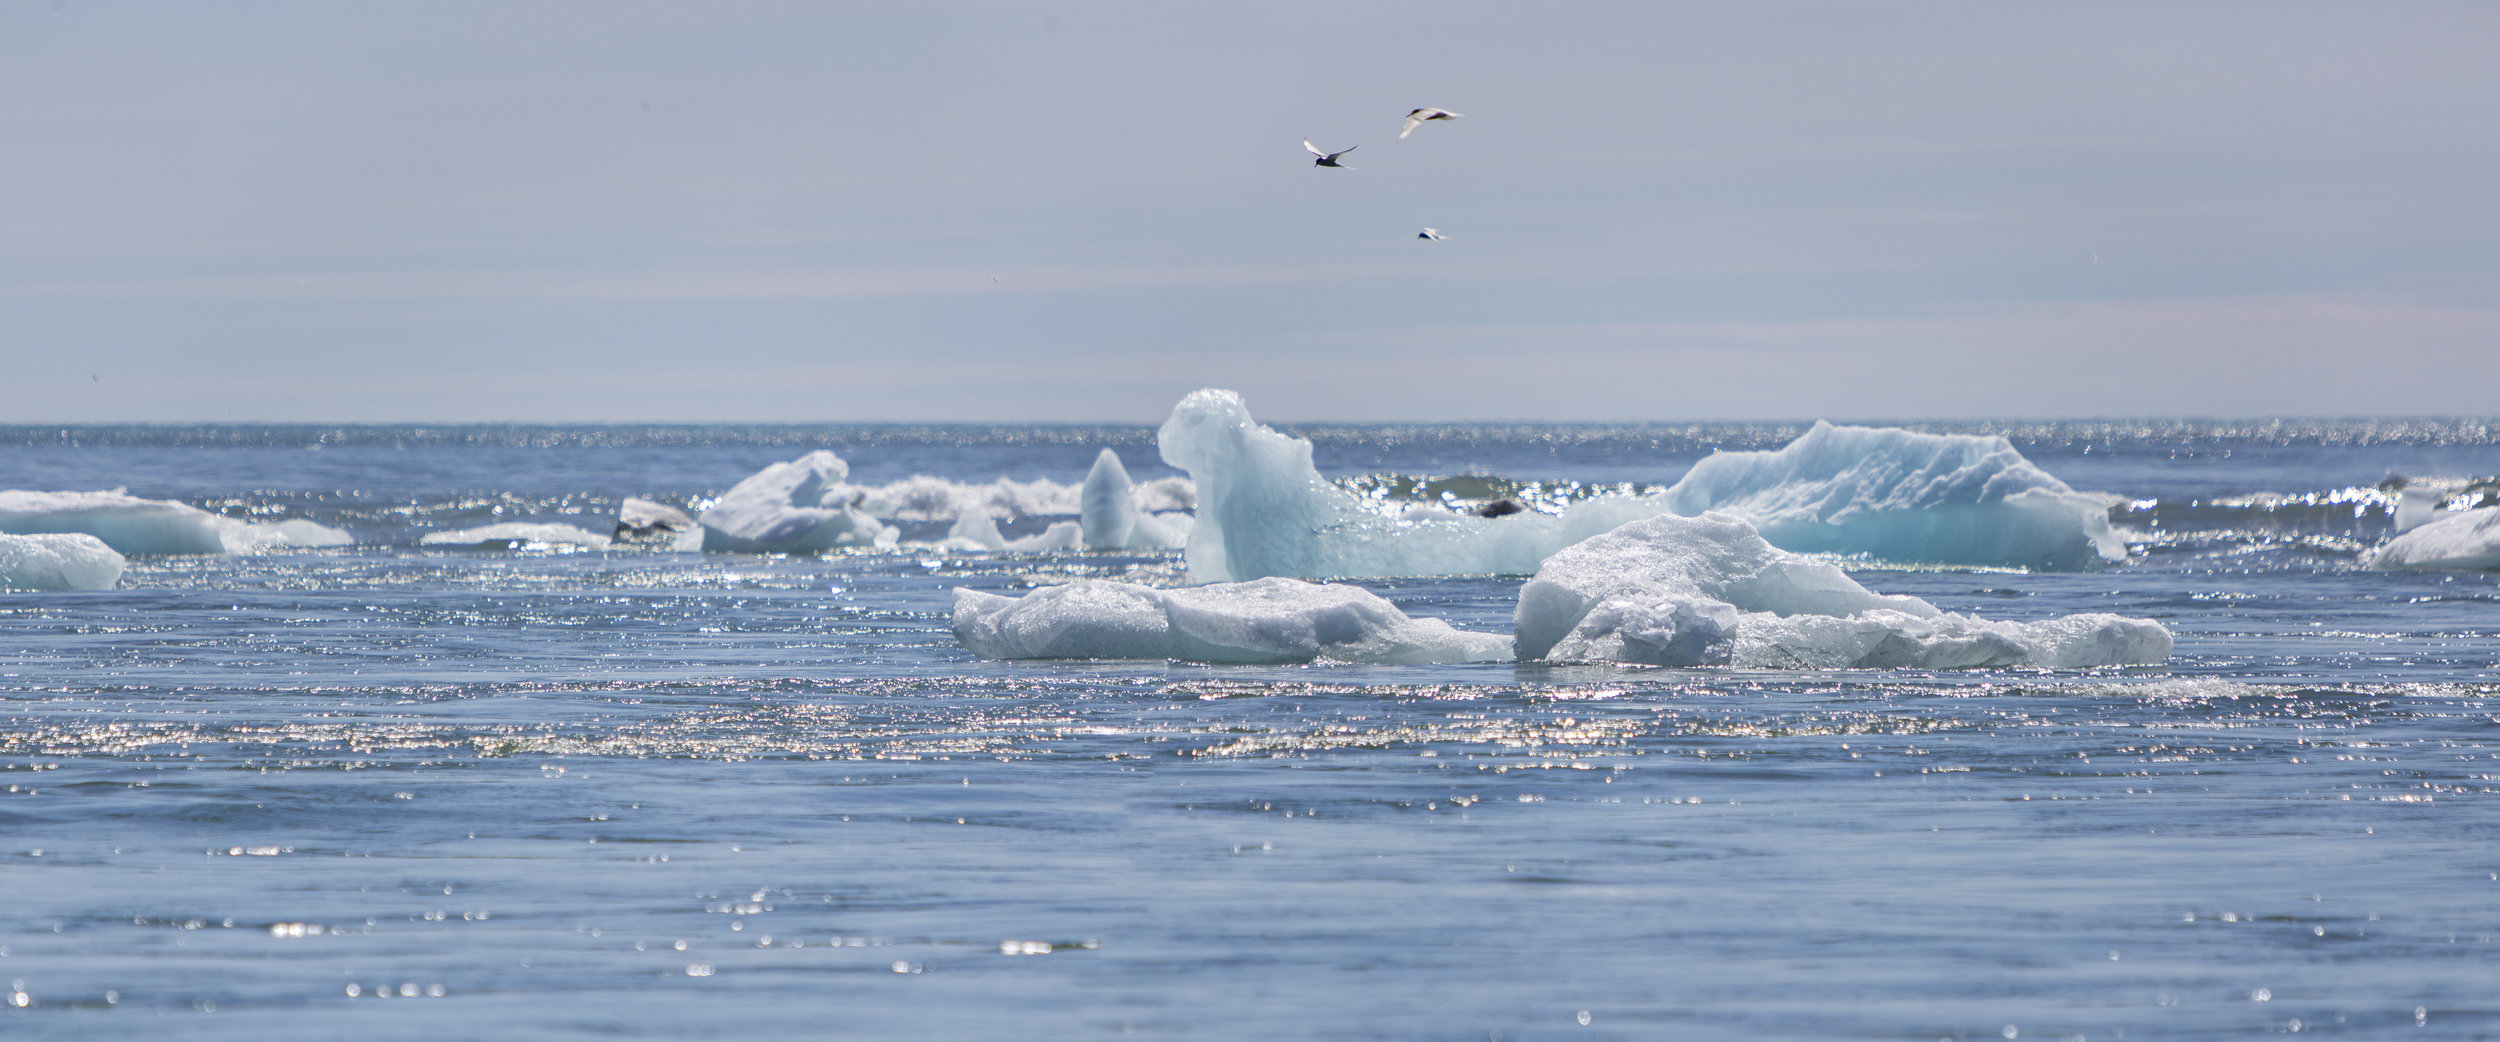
(808, 505)
(1663, 591)
(1881, 493)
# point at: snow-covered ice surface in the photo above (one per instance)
(132, 525)
(2464, 541)
(58, 561)
(1710, 591)
(1267, 620)
(801, 506)
(1263, 510)
(514, 535)
(1906, 497)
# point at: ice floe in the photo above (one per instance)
(517, 535)
(1881, 493)
(2463, 541)
(1905, 496)
(801, 506)
(1267, 620)
(58, 561)
(1264, 510)
(1710, 590)
(652, 523)
(131, 525)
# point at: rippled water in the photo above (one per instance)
(391, 792)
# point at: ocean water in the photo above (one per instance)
(392, 792)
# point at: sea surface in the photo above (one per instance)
(393, 792)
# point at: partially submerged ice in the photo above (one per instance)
(132, 525)
(58, 561)
(2464, 541)
(517, 535)
(1882, 493)
(1710, 591)
(651, 523)
(802, 506)
(1264, 510)
(1904, 496)
(1266, 621)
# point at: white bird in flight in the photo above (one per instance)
(1416, 118)
(1328, 158)
(1430, 233)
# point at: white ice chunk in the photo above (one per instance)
(516, 535)
(2463, 541)
(58, 561)
(654, 523)
(1264, 510)
(132, 525)
(1898, 495)
(1269, 620)
(1709, 590)
(797, 507)
(1113, 520)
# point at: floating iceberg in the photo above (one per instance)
(1111, 518)
(1264, 510)
(1898, 495)
(58, 561)
(1684, 591)
(132, 525)
(516, 535)
(1884, 493)
(924, 498)
(802, 506)
(1270, 620)
(2464, 541)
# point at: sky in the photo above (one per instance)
(614, 211)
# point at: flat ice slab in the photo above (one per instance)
(58, 561)
(802, 506)
(516, 535)
(131, 525)
(1708, 591)
(1269, 620)
(2464, 541)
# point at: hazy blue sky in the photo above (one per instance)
(849, 211)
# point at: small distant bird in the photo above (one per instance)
(1430, 233)
(1416, 118)
(1328, 158)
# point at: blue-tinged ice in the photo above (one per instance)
(802, 506)
(1711, 591)
(1880, 493)
(131, 525)
(1904, 496)
(974, 530)
(1264, 510)
(1268, 620)
(1112, 519)
(517, 535)
(58, 561)
(2462, 541)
